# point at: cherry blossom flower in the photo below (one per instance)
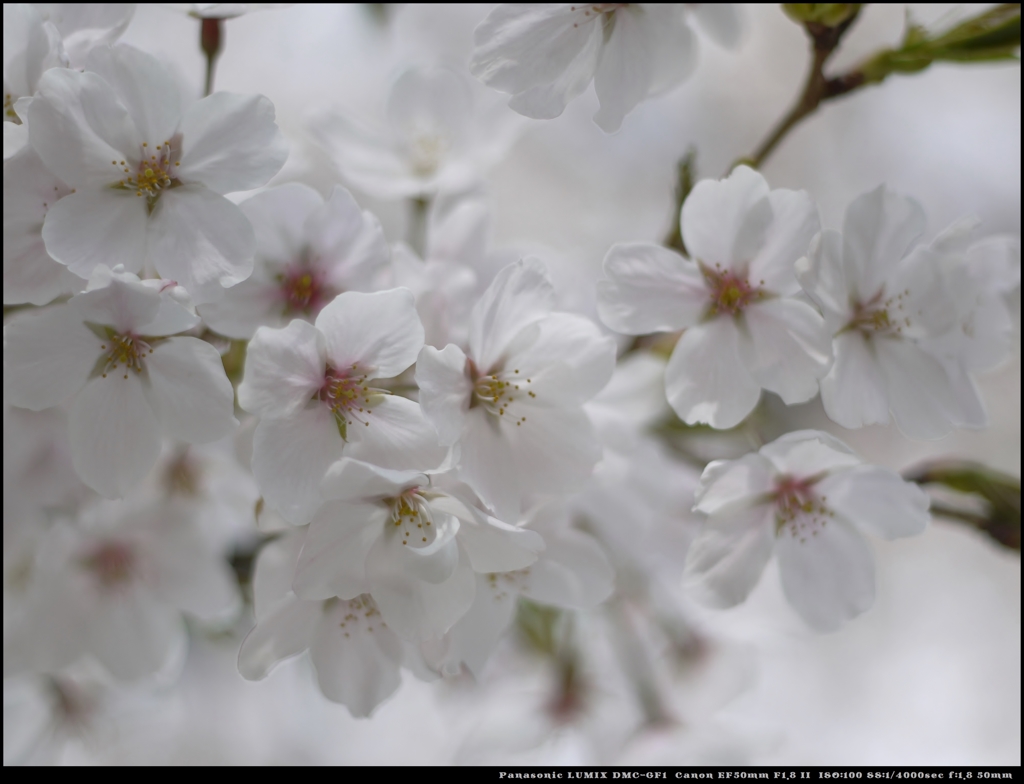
(513, 401)
(439, 137)
(744, 330)
(546, 54)
(32, 46)
(319, 392)
(808, 497)
(355, 654)
(307, 252)
(148, 176)
(30, 275)
(84, 26)
(115, 587)
(411, 541)
(107, 352)
(884, 298)
(571, 572)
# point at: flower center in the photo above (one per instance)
(798, 510)
(122, 349)
(154, 173)
(112, 563)
(349, 397)
(499, 390)
(357, 615)
(425, 153)
(729, 293)
(411, 519)
(303, 289)
(881, 318)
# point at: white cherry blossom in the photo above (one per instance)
(148, 174)
(546, 54)
(514, 400)
(307, 252)
(30, 274)
(114, 587)
(807, 497)
(84, 26)
(744, 330)
(108, 353)
(440, 137)
(411, 541)
(319, 390)
(884, 297)
(355, 654)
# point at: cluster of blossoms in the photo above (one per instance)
(423, 442)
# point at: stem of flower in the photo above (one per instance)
(817, 88)
(210, 41)
(416, 235)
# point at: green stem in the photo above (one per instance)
(211, 38)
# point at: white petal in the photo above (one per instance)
(791, 348)
(520, 295)
(379, 332)
(286, 631)
(828, 578)
(118, 299)
(190, 394)
(80, 129)
(275, 568)
(200, 240)
(101, 226)
(357, 668)
(477, 633)
(920, 397)
(725, 483)
(625, 71)
(706, 380)
(727, 559)
(651, 289)
(284, 369)
(290, 456)
(794, 224)
(278, 216)
(349, 242)
(445, 390)
(114, 436)
(573, 572)
(333, 558)
(726, 221)
(878, 501)
(397, 436)
(133, 635)
(416, 609)
(878, 230)
(245, 308)
(805, 453)
(461, 234)
(48, 355)
(555, 449)
(433, 563)
(494, 546)
(522, 46)
(30, 274)
(144, 86)
(823, 278)
(434, 98)
(231, 143)
(488, 466)
(673, 45)
(571, 341)
(354, 480)
(854, 391)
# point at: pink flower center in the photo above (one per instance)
(304, 290)
(729, 292)
(798, 509)
(349, 397)
(112, 563)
